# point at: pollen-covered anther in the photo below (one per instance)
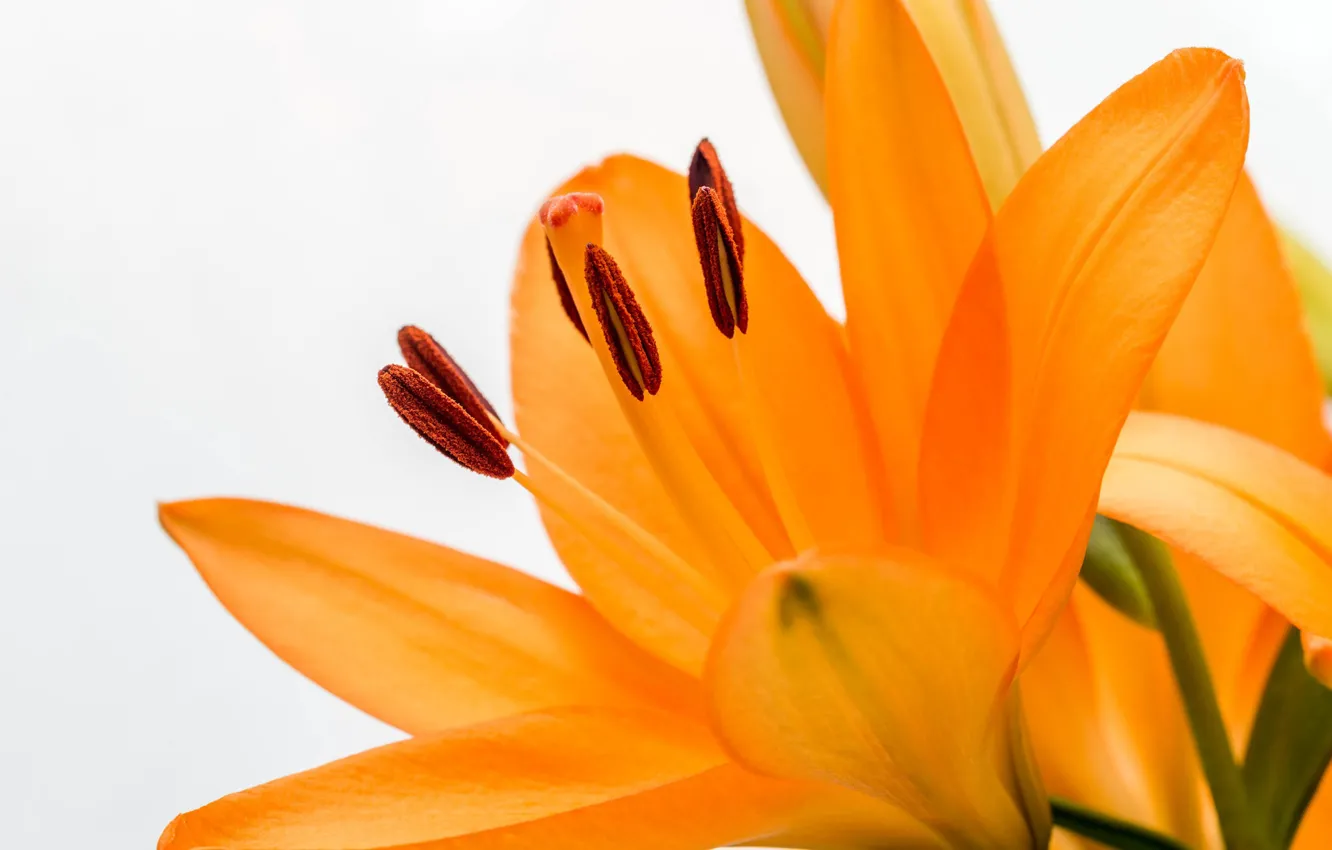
(430, 359)
(719, 256)
(566, 296)
(628, 334)
(443, 422)
(705, 169)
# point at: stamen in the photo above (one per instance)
(566, 296)
(424, 354)
(444, 423)
(717, 235)
(628, 334)
(705, 169)
(719, 255)
(575, 502)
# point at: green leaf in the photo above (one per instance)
(1112, 832)
(1109, 569)
(1315, 284)
(1290, 745)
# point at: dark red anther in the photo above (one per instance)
(628, 334)
(566, 297)
(428, 357)
(705, 169)
(443, 422)
(719, 256)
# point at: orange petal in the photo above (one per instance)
(1315, 832)
(565, 778)
(969, 51)
(1097, 247)
(967, 48)
(885, 675)
(1059, 696)
(909, 210)
(965, 457)
(1318, 657)
(1247, 542)
(1238, 354)
(796, 358)
(418, 635)
(1297, 494)
(1106, 721)
(1149, 746)
(651, 594)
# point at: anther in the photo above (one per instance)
(705, 169)
(443, 422)
(628, 334)
(719, 256)
(566, 296)
(429, 358)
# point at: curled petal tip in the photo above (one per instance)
(1318, 657)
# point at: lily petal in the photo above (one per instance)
(565, 778)
(886, 675)
(1098, 246)
(1294, 492)
(1252, 512)
(970, 53)
(962, 37)
(418, 635)
(1060, 698)
(966, 476)
(909, 209)
(1144, 722)
(1238, 354)
(1315, 830)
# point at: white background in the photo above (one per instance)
(214, 217)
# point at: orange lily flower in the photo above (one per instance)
(1107, 721)
(813, 561)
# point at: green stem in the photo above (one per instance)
(1175, 622)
